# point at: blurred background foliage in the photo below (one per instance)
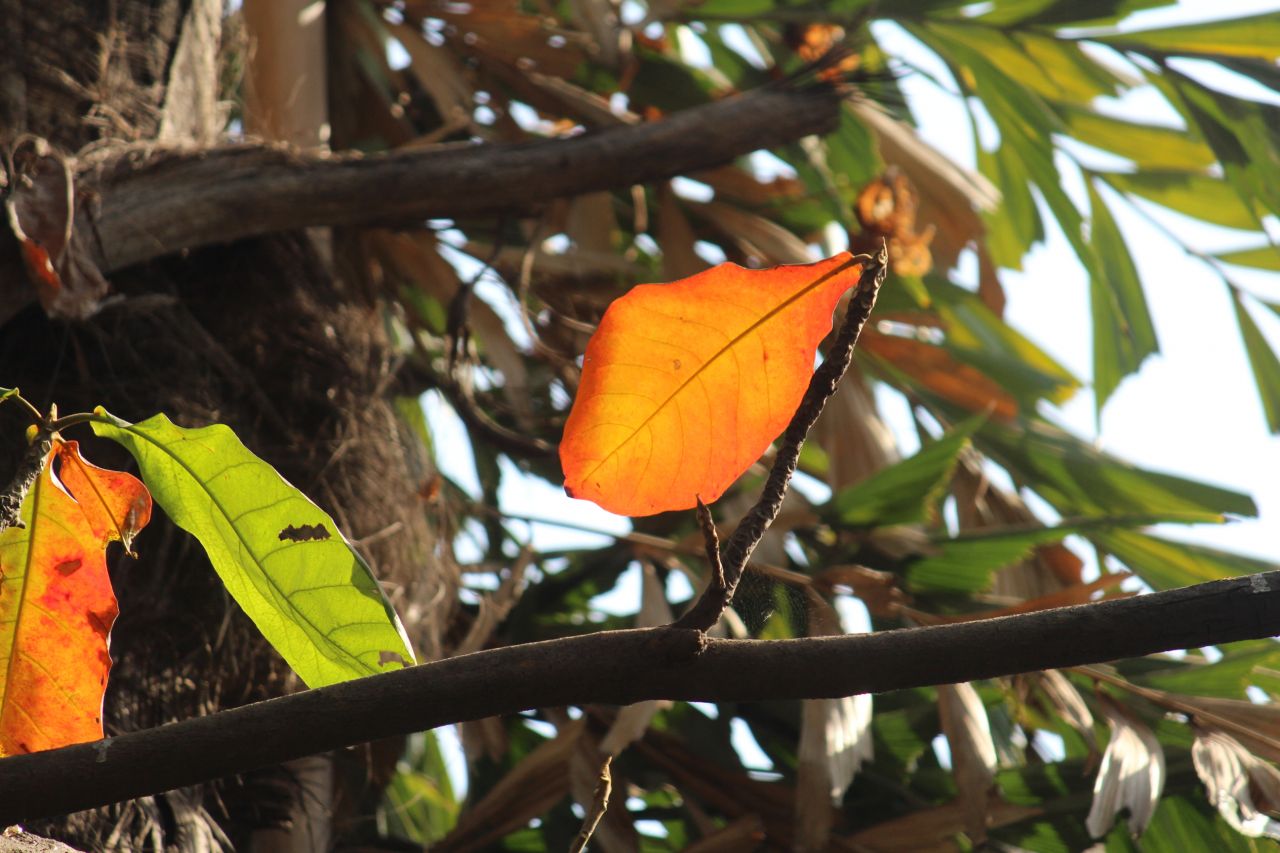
(1170, 752)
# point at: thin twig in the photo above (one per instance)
(737, 552)
(712, 539)
(599, 803)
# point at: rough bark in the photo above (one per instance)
(261, 335)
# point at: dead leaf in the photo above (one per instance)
(633, 720)
(676, 238)
(940, 372)
(738, 836)
(1069, 704)
(932, 829)
(533, 786)
(1131, 775)
(835, 740)
(56, 602)
(41, 207)
(857, 442)
(1244, 789)
(877, 590)
(950, 196)
(973, 753)
(756, 236)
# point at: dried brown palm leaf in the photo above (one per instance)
(761, 238)
(929, 830)
(532, 787)
(440, 74)
(738, 836)
(857, 442)
(633, 720)
(973, 753)
(676, 238)
(950, 196)
(835, 740)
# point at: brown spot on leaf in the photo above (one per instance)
(68, 567)
(385, 658)
(304, 533)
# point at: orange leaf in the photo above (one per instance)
(684, 385)
(56, 603)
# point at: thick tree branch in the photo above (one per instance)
(183, 199)
(622, 667)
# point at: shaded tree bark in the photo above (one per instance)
(262, 335)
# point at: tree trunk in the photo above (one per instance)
(263, 335)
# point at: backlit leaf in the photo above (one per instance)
(1150, 146)
(1256, 36)
(966, 562)
(1123, 334)
(1191, 193)
(1262, 257)
(905, 492)
(684, 385)
(1263, 360)
(1079, 479)
(56, 603)
(280, 556)
(1168, 565)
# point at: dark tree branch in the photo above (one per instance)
(621, 667)
(711, 604)
(183, 199)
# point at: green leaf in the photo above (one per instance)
(1148, 145)
(905, 492)
(6, 393)
(1164, 564)
(280, 556)
(1243, 134)
(965, 563)
(1015, 225)
(1181, 824)
(1263, 258)
(1123, 335)
(1257, 36)
(419, 804)
(1226, 678)
(1262, 358)
(1078, 12)
(1078, 479)
(1052, 68)
(976, 336)
(1190, 193)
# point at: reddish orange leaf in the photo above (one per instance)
(684, 385)
(56, 603)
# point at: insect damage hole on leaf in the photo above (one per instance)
(304, 533)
